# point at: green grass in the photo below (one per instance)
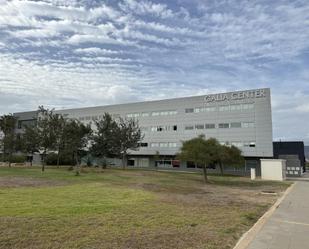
(126, 209)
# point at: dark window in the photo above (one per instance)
(24, 123)
(224, 125)
(190, 164)
(131, 162)
(236, 125)
(210, 126)
(199, 126)
(174, 127)
(159, 128)
(189, 110)
(189, 127)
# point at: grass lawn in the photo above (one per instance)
(127, 209)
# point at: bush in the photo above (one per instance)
(16, 159)
(51, 159)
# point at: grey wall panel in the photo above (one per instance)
(260, 114)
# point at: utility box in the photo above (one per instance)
(273, 169)
(253, 174)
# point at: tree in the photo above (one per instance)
(200, 151)
(7, 126)
(46, 133)
(58, 123)
(128, 137)
(30, 141)
(105, 138)
(76, 140)
(228, 155)
(156, 158)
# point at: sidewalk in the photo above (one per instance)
(288, 227)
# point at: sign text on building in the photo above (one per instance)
(260, 93)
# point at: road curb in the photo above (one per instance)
(248, 236)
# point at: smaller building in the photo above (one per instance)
(307, 153)
(294, 154)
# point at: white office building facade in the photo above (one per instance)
(241, 118)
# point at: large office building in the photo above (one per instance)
(241, 118)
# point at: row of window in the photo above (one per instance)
(174, 145)
(163, 145)
(158, 144)
(163, 128)
(96, 117)
(155, 113)
(235, 107)
(243, 144)
(220, 125)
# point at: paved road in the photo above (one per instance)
(288, 227)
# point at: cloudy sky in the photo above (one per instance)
(69, 53)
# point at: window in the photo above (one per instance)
(210, 109)
(132, 115)
(199, 126)
(172, 145)
(154, 144)
(189, 127)
(249, 144)
(210, 126)
(189, 110)
(164, 145)
(236, 125)
(235, 107)
(237, 144)
(173, 112)
(159, 128)
(145, 114)
(247, 125)
(224, 108)
(224, 125)
(143, 144)
(199, 109)
(163, 113)
(247, 106)
(163, 128)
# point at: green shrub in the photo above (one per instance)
(51, 159)
(16, 159)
